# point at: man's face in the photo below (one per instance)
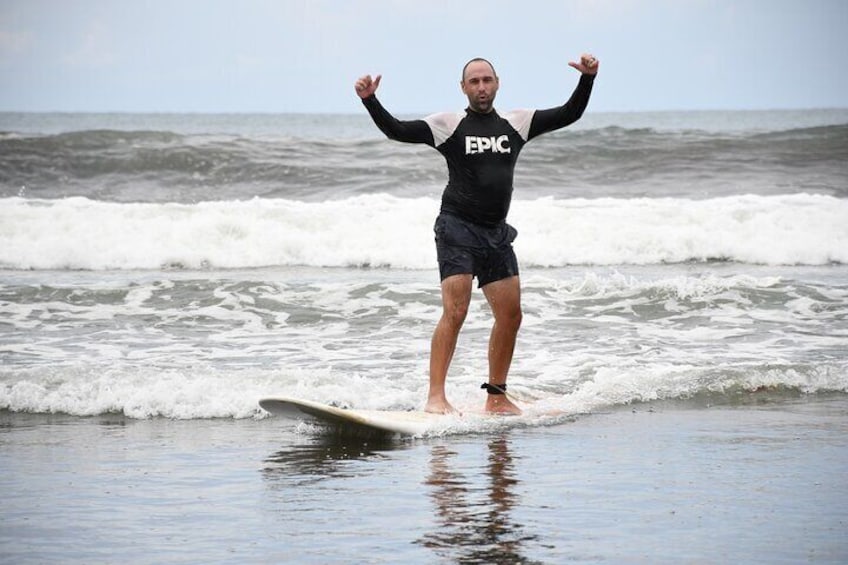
(480, 85)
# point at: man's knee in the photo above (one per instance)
(455, 312)
(456, 295)
(505, 300)
(511, 316)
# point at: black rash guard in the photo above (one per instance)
(481, 149)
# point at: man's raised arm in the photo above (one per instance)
(411, 131)
(561, 116)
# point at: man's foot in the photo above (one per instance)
(441, 406)
(500, 404)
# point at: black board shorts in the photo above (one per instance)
(464, 248)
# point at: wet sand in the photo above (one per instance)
(760, 482)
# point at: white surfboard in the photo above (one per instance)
(350, 420)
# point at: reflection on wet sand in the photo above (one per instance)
(322, 457)
(474, 522)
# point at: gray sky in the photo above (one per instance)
(304, 55)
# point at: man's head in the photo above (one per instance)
(480, 84)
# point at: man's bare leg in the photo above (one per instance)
(504, 298)
(456, 295)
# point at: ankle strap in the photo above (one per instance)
(494, 389)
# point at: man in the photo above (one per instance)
(472, 237)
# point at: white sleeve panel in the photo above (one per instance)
(443, 125)
(520, 120)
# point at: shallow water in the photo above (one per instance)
(655, 483)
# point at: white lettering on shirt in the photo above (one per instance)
(475, 144)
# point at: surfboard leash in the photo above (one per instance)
(501, 389)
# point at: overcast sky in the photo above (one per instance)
(304, 55)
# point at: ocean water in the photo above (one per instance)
(184, 265)
(164, 272)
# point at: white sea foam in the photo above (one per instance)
(209, 392)
(188, 347)
(387, 231)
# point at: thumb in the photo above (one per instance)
(377, 81)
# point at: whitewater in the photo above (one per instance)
(380, 230)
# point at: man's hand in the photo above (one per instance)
(366, 86)
(588, 65)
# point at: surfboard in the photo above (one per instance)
(407, 423)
